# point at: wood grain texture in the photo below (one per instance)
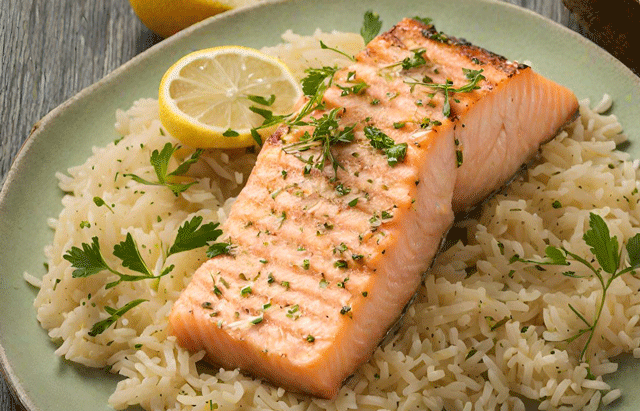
(53, 49)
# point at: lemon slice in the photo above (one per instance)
(206, 97)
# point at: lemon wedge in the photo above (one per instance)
(167, 17)
(209, 98)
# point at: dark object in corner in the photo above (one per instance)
(613, 24)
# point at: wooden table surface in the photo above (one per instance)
(53, 49)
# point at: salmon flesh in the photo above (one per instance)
(325, 257)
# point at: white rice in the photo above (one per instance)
(448, 352)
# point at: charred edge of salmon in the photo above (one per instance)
(477, 56)
(483, 56)
(473, 210)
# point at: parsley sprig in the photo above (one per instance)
(217, 249)
(326, 134)
(608, 254)
(413, 61)
(160, 162)
(314, 86)
(474, 77)
(417, 60)
(355, 89)
(370, 26)
(192, 235)
(326, 131)
(89, 260)
(114, 315)
(323, 46)
(314, 82)
(378, 139)
(262, 100)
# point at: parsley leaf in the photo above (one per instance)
(370, 26)
(555, 255)
(396, 153)
(98, 201)
(256, 136)
(633, 250)
(424, 20)
(262, 100)
(101, 326)
(356, 89)
(186, 165)
(160, 162)
(86, 261)
(217, 249)
(474, 76)
(342, 190)
(416, 60)
(266, 114)
(128, 252)
(378, 139)
(191, 235)
(269, 118)
(230, 133)
(312, 83)
(604, 247)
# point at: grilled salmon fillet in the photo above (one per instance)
(325, 258)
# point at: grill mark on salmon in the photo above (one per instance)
(338, 273)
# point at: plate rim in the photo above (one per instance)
(13, 381)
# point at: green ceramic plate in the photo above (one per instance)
(65, 136)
